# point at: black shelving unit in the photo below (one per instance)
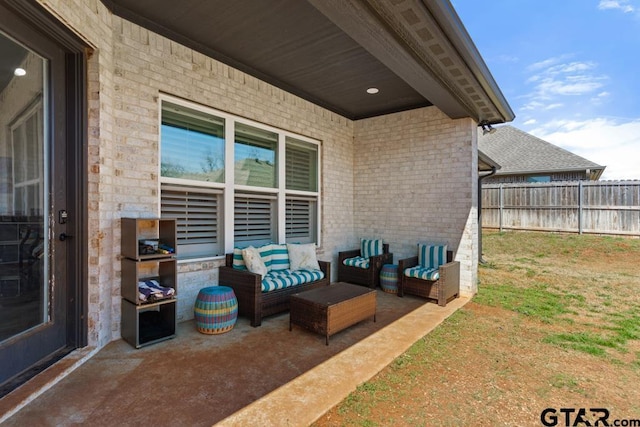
(143, 322)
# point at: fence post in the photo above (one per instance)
(579, 207)
(500, 203)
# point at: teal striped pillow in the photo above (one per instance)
(265, 254)
(370, 247)
(238, 261)
(279, 257)
(432, 256)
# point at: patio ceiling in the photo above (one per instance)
(416, 52)
(12, 55)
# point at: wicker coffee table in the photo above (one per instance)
(332, 308)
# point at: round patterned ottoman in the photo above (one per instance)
(216, 310)
(389, 278)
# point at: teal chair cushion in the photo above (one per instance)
(370, 247)
(358, 261)
(423, 273)
(432, 256)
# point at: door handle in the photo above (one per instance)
(64, 236)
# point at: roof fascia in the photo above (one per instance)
(424, 43)
(488, 161)
(460, 38)
(541, 171)
(361, 23)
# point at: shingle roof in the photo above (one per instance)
(519, 152)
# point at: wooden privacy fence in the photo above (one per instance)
(602, 207)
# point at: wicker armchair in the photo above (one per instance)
(369, 277)
(442, 290)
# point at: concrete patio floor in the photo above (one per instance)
(265, 376)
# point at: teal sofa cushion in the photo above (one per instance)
(280, 279)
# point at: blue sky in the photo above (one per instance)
(570, 70)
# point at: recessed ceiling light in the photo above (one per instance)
(19, 72)
(373, 90)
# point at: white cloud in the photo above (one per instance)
(508, 58)
(554, 106)
(571, 67)
(535, 78)
(573, 78)
(623, 5)
(600, 98)
(555, 79)
(530, 122)
(607, 142)
(546, 63)
(572, 85)
(532, 106)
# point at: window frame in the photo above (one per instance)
(23, 185)
(228, 187)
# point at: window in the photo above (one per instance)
(196, 211)
(302, 164)
(26, 138)
(192, 144)
(539, 178)
(255, 156)
(231, 182)
(254, 219)
(191, 160)
(301, 216)
(302, 186)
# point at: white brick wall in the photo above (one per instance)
(131, 67)
(414, 181)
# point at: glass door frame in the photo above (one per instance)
(31, 25)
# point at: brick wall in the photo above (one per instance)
(128, 70)
(415, 181)
(147, 64)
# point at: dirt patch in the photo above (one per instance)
(490, 366)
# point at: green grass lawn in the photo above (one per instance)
(555, 323)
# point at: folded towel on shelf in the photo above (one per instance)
(150, 290)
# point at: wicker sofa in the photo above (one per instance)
(252, 301)
(443, 289)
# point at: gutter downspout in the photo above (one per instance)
(480, 178)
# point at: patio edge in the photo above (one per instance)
(32, 389)
(305, 399)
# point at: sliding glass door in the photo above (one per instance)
(36, 270)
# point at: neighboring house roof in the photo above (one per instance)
(254, 172)
(329, 52)
(519, 152)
